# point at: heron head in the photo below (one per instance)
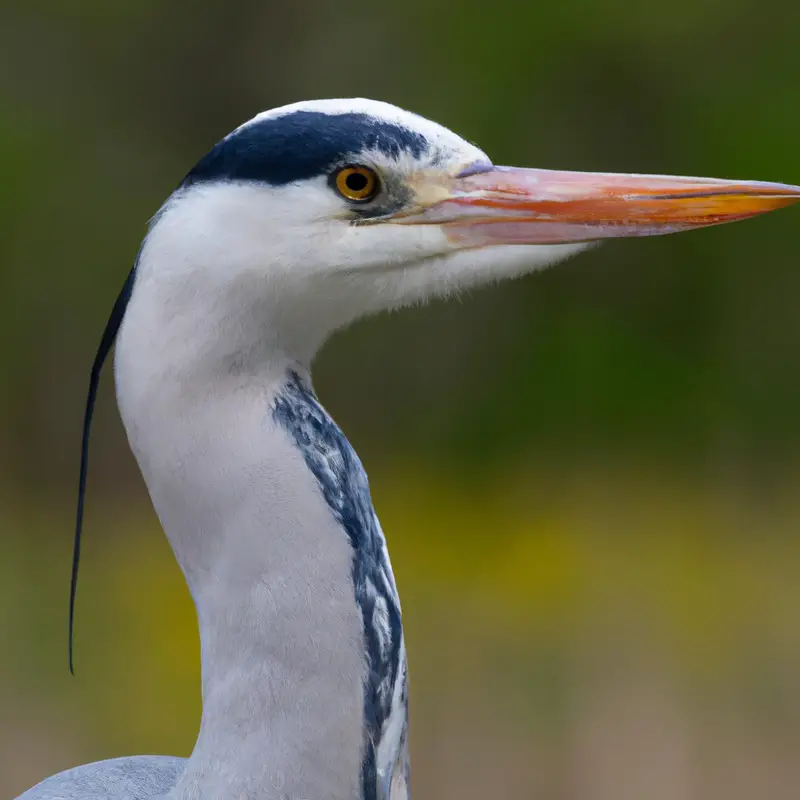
(331, 209)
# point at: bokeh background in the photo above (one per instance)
(588, 478)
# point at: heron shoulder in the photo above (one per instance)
(132, 778)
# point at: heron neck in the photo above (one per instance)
(268, 565)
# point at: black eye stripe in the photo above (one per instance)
(303, 145)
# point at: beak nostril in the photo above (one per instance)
(475, 169)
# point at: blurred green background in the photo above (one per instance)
(587, 478)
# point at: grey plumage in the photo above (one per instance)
(133, 778)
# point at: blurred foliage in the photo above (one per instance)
(604, 608)
(591, 637)
(676, 348)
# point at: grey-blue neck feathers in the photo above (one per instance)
(343, 484)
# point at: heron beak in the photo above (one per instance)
(509, 205)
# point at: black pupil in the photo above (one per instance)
(357, 181)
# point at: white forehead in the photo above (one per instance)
(442, 139)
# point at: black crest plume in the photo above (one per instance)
(106, 342)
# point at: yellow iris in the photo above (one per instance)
(357, 183)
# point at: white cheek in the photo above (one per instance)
(291, 244)
(235, 228)
(301, 232)
(384, 246)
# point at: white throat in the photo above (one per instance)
(303, 666)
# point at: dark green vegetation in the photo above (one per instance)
(685, 346)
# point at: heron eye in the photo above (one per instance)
(357, 184)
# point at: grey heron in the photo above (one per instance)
(297, 223)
